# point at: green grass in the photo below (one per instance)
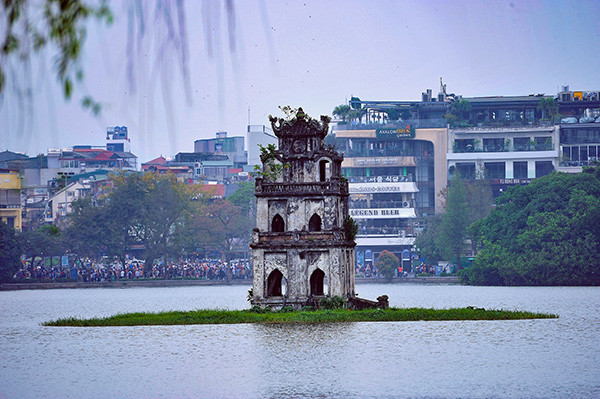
(319, 316)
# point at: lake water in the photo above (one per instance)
(557, 358)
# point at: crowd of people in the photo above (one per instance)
(100, 271)
(188, 268)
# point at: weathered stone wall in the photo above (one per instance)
(309, 185)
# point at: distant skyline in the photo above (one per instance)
(313, 54)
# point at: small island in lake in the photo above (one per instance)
(302, 247)
(288, 315)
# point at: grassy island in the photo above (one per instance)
(309, 316)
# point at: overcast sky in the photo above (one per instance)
(313, 54)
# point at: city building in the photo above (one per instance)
(10, 198)
(232, 147)
(258, 135)
(59, 207)
(506, 156)
(399, 155)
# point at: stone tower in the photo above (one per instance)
(302, 247)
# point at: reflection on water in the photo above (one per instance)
(503, 359)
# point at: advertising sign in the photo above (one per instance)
(366, 188)
(407, 132)
(382, 213)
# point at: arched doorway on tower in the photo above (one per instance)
(275, 284)
(317, 283)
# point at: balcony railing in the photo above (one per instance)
(333, 186)
(299, 236)
(417, 123)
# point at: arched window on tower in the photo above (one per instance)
(277, 225)
(274, 283)
(324, 171)
(317, 282)
(314, 224)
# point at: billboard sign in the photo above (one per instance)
(407, 132)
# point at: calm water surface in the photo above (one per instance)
(558, 358)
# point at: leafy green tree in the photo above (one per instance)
(455, 220)
(398, 113)
(479, 199)
(427, 241)
(244, 198)
(89, 231)
(153, 210)
(342, 111)
(62, 25)
(222, 226)
(357, 114)
(545, 233)
(45, 241)
(10, 253)
(387, 263)
(458, 113)
(548, 107)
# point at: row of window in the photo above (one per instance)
(541, 143)
(580, 136)
(497, 170)
(575, 154)
(363, 147)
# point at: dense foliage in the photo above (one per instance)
(387, 263)
(544, 233)
(10, 252)
(465, 203)
(153, 212)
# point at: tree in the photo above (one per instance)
(10, 253)
(544, 233)
(387, 263)
(548, 107)
(152, 210)
(357, 114)
(89, 232)
(479, 198)
(427, 241)
(222, 226)
(455, 220)
(45, 241)
(342, 111)
(458, 113)
(244, 198)
(62, 26)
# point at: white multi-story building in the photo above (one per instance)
(504, 155)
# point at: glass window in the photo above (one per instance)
(493, 145)
(584, 153)
(543, 143)
(566, 154)
(575, 153)
(529, 114)
(543, 168)
(520, 170)
(466, 169)
(521, 143)
(495, 170)
(464, 145)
